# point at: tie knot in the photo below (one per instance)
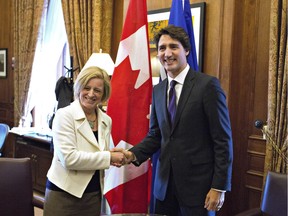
(173, 83)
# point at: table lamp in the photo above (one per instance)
(102, 60)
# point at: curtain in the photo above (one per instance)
(51, 55)
(27, 18)
(277, 140)
(89, 27)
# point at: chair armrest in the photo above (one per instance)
(251, 212)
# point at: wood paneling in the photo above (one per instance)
(255, 196)
(248, 99)
(155, 5)
(253, 181)
(6, 84)
(117, 27)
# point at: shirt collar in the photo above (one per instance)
(181, 76)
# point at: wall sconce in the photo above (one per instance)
(102, 60)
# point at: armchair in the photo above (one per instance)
(274, 200)
(16, 187)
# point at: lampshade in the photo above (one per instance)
(102, 60)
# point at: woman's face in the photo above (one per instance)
(91, 94)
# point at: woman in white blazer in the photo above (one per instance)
(81, 135)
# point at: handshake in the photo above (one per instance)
(120, 157)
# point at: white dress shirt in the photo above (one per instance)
(180, 81)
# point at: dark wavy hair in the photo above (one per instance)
(175, 32)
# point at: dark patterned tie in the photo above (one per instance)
(172, 102)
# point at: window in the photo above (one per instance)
(51, 55)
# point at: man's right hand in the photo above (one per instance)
(128, 156)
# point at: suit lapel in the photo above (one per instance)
(162, 98)
(85, 130)
(83, 125)
(103, 131)
(186, 92)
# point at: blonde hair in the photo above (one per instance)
(86, 75)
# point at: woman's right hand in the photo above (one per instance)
(117, 157)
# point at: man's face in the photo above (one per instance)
(172, 55)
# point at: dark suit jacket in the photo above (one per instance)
(198, 149)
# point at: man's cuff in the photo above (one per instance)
(223, 191)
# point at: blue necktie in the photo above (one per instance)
(172, 102)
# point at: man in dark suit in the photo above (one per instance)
(195, 163)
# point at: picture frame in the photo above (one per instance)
(3, 62)
(158, 19)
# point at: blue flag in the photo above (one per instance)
(183, 18)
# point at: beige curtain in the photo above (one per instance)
(27, 17)
(89, 28)
(277, 140)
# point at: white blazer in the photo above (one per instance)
(77, 154)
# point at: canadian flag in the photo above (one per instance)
(127, 189)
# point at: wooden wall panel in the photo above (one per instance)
(6, 84)
(262, 63)
(117, 27)
(248, 99)
(253, 182)
(255, 196)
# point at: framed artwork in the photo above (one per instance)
(3, 63)
(158, 19)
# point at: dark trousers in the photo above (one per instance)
(173, 206)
